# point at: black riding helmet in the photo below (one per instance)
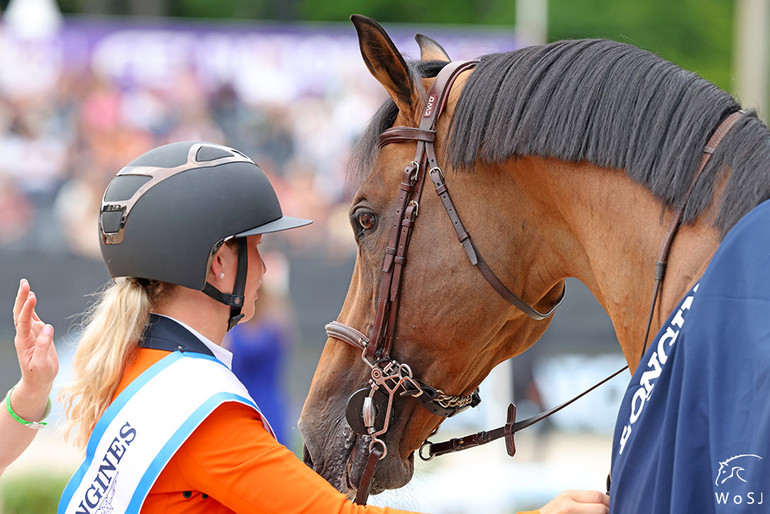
(165, 214)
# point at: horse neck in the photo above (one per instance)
(610, 230)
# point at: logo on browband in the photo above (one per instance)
(429, 107)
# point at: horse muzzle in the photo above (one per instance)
(340, 455)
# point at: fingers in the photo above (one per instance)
(34, 343)
(46, 337)
(45, 360)
(21, 298)
(590, 497)
(24, 319)
(578, 502)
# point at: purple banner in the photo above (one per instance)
(264, 62)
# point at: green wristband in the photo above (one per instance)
(28, 424)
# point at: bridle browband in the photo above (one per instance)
(371, 407)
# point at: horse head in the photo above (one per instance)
(452, 328)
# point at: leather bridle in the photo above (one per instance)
(369, 409)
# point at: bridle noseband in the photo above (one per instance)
(369, 409)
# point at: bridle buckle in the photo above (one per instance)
(415, 171)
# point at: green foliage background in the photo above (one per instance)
(695, 34)
(34, 493)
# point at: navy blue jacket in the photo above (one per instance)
(693, 431)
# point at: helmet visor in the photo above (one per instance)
(282, 223)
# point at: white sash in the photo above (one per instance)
(144, 427)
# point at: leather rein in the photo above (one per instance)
(369, 409)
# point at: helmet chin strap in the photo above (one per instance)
(234, 300)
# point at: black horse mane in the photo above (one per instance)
(609, 104)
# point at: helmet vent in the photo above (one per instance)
(111, 221)
(212, 153)
(123, 187)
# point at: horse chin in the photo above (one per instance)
(392, 471)
(341, 460)
(329, 458)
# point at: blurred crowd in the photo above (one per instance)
(60, 145)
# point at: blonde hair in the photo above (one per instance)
(113, 327)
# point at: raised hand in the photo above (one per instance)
(34, 344)
(28, 400)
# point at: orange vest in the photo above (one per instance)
(231, 463)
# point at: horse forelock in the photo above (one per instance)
(615, 106)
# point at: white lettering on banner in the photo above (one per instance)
(670, 336)
(648, 377)
(655, 365)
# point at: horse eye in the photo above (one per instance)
(366, 220)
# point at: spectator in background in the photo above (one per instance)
(16, 212)
(62, 143)
(76, 207)
(27, 403)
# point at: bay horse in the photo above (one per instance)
(564, 160)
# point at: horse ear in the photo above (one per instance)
(430, 50)
(387, 64)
